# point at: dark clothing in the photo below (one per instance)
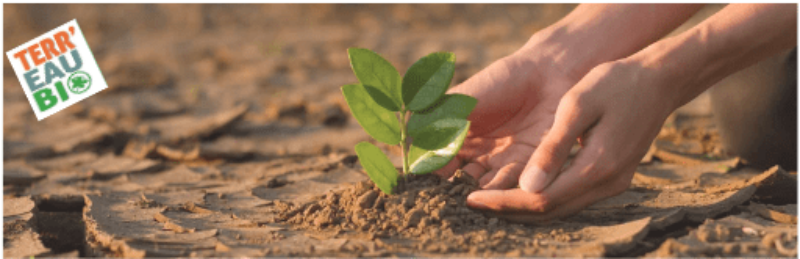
(756, 112)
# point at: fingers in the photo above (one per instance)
(573, 118)
(512, 200)
(486, 178)
(552, 212)
(447, 171)
(578, 180)
(520, 206)
(586, 173)
(476, 147)
(595, 175)
(472, 150)
(475, 170)
(505, 178)
(593, 167)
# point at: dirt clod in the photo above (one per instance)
(717, 233)
(366, 200)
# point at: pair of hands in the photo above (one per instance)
(601, 77)
(530, 114)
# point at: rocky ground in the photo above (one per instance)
(223, 133)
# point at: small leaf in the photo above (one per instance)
(427, 80)
(415, 152)
(373, 70)
(440, 133)
(451, 106)
(379, 169)
(424, 161)
(378, 122)
(381, 98)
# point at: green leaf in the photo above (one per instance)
(379, 169)
(451, 106)
(381, 98)
(427, 80)
(415, 152)
(378, 122)
(424, 161)
(440, 133)
(373, 70)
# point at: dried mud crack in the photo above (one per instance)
(58, 220)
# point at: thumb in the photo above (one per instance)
(570, 122)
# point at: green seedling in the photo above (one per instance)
(412, 111)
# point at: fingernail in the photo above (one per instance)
(533, 181)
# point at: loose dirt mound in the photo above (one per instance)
(424, 208)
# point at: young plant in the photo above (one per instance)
(413, 112)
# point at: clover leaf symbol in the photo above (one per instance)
(79, 82)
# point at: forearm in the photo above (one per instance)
(596, 33)
(736, 37)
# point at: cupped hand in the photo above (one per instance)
(615, 111)
(517, 100)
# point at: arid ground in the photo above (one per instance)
(224, 133)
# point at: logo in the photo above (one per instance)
(56, 69)
(79, 82)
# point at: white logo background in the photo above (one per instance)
(89, 66)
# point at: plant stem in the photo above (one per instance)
(403, 144)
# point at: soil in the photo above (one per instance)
(741, 235)
(431, 212)
(424, 208)
(223, 133)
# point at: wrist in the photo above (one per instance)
(593, 34)
(654, 83)
(734, 38)
(680, 72)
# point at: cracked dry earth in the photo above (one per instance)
(237, 142)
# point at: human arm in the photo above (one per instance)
(555, 58)
(518, 95)
(735, 38)
(618, 107)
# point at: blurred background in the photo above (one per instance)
(172, 68)
(284, 62)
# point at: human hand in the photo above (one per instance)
(517, 97)
(615, 111)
